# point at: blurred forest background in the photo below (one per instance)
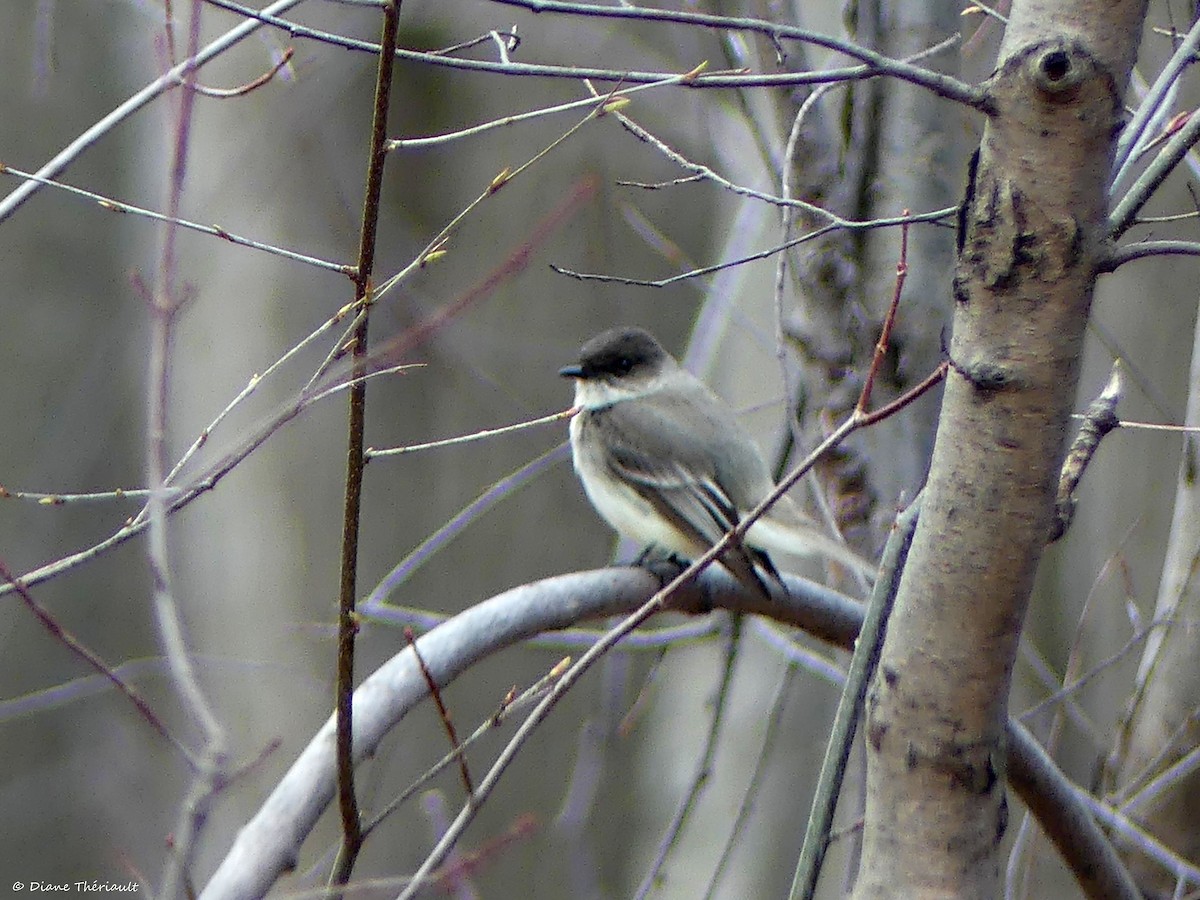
(90, 791)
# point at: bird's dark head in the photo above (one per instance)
(618, 364)
(617, 354)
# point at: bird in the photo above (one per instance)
(665, 462)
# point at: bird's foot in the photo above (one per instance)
(666, 568)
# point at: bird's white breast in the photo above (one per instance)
(623, 508)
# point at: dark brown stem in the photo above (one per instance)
(355, 461)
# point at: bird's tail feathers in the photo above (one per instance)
(807, 540)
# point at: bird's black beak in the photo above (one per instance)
(571, 371)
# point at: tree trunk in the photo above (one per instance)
(1033, 234)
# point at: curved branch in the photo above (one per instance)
(1146, 249)
(270, 842)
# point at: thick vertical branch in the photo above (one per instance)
(1032, 242)
(347, 627)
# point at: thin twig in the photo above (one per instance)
(443, 713)
(243, 89)
(1025, 848)
(705, 173)
(508, 707)
(942, 85)
(874, 64)
(1122, 218)
(452, 878)
(1156, 426)
(1132, 134)
(167, 81)
(45, 499)
(938, 215)
(774, 721)
(635, 710)
(375, 604)
(355, 461)
(504, 121)
(930, 381)
(1179, 737)
(164, 300)
(94, 661)
(1052, 683)
(372, 453)
(703, 764)
(783, 642)
(1138, 837)
(1180, 769)
(119, 206)
(885, 333)
(1077, 684)
(787, 225)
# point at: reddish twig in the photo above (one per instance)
(444, 713)
(243, 89)
(73, 644)
(885, 333)
(888, 409)
(253, 765)
(470, 863)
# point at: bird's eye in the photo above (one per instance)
(624, 364)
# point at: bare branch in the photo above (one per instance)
(159, 86)
(874, 65)
(118, 206)
(1145, 249)
(937, 216)
(267, 844)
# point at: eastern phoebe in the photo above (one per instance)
(665, 462)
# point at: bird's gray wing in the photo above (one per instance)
(642, 447)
